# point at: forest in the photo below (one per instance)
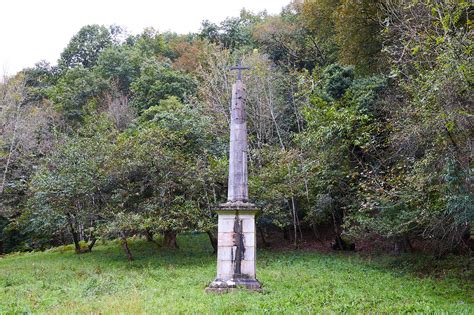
(360, 117)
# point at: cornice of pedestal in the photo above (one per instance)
(237, 206)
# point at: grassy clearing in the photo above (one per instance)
(166, 281)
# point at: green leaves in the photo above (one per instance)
(341, 126)
(157, 82)
(69, 186)
(75, 89)
(85, 47)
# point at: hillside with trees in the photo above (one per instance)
(360, 118)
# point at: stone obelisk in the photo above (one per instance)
(236, 240)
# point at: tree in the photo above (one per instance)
(341, 125)
(26, 134)
(85, 47)
(75, 90)
(234, 33)
(150, 42)
(68, 189)
(39, 79)
(162, 175)
(13, 94)
(156, 82)
(418, 186)
(289, 41)
(121, 65)
(358, 35)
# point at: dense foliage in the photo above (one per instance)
(360, 123)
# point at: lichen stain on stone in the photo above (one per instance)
(238, 248)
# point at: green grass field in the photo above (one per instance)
(167, 281)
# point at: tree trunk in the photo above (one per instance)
(316, 234)
(170, 240)
(124, 243)
(149, 235)
(295, 229)
(336, 231)
(297, 217)
(213, 240)
(286, 234)
(262, 236)
(402, 245)
(91, 244)
(12, 145)
(80, 232)
(75, 236)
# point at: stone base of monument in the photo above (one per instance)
(218, 286)
(236, 248)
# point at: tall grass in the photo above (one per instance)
(173, 281)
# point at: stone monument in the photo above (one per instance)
(236, 237)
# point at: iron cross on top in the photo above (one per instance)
(239, 68)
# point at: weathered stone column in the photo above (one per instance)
(238, 179)
(236, 242)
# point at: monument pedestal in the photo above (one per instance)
(236, 248)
